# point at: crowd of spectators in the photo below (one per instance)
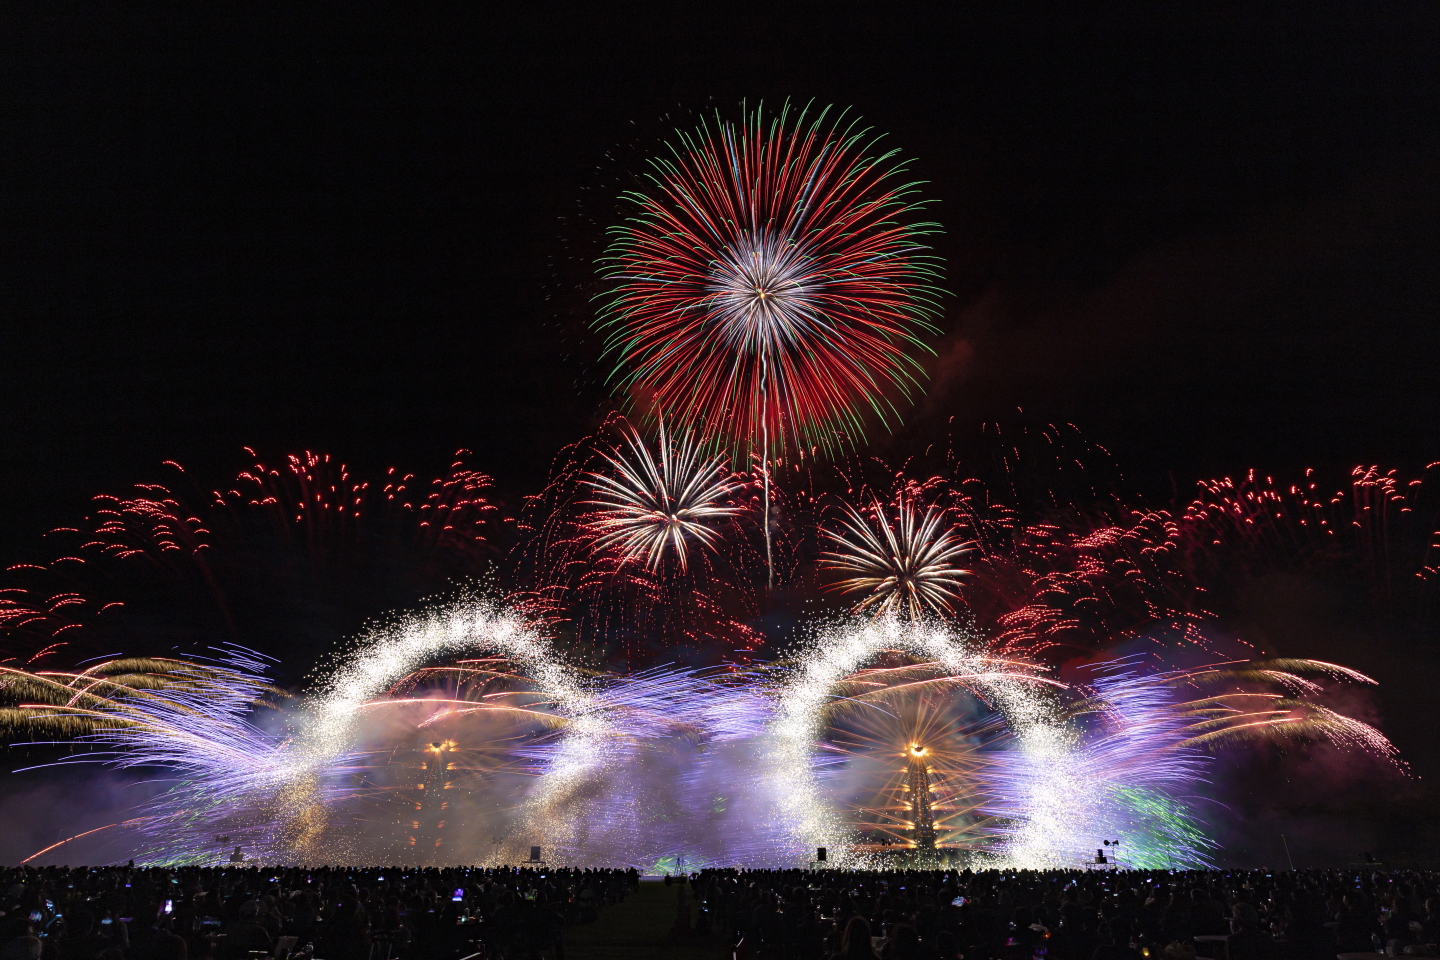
(125, 913)
(1072, 915)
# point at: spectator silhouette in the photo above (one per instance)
(855, 944)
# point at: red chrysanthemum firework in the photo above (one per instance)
(773, 283)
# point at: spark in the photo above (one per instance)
(807, 695)
(391, 652)
(655, 506)
(904, 565)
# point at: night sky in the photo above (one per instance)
(1205, 234)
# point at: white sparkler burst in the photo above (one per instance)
(904, 565)
(764, 296)
(653, 507)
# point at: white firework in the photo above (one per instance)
(904, 565)
(764, 296)
(656, 506)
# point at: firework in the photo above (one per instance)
(653, 506)
(441, 761)
(967, 744)
(1140, 756)
(1130, 776)
(772, 281)
(903, 566)
(184, 559)
(1077, 583)
(388, 654)
(911, 747)
(1014, 689)
(462, 765)
(953, 748)
(282, 795)
(195, 720)
(1272, 698)
(1378, 529)
(612, 603)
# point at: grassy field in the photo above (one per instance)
(639, 929)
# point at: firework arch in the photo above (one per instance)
(392, 651)
(1016, 688)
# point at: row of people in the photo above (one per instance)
(1073, 915)
(123, 913)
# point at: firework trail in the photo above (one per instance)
(1269, 699)
(887, 723)
(1379, 529)
(1130, 776)
(679, 789)
(660, 780)
(389, 653)
(903, 565)
(288, 798)
(769, 282)
(458, 766)
(1141, 756)
(669, 769)
(679, 766)
(651, 507)
(584, 746)
(610, 603)
(442, 760)
(1080, 581)
(649, 808)
(1068, 582)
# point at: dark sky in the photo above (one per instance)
(1206, 234)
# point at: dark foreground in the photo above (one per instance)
(120, 913)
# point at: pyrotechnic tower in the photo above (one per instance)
(922, 816)
(430, 818)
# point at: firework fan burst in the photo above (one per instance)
(197, 722)
(773, 281)
(655, 506)
(902, 560)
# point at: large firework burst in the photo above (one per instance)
(903, 563)
(772, 280)
(656, 504)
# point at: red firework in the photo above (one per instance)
(772, 282)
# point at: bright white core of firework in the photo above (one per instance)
(763, 295)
